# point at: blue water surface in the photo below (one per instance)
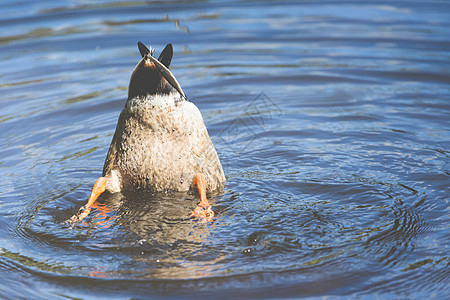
(331, 119)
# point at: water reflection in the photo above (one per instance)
(157, 227)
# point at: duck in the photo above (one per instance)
(161, 142)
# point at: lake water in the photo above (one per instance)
(331, 119)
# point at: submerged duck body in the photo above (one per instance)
(161, 142)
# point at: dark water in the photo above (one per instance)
(331, 119)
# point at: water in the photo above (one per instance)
(331, 119)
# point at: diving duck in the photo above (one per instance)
(161, 142)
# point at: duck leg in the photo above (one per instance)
(203, 210)
(99, 187)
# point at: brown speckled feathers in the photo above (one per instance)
(161, 141)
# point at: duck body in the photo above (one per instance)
(160, 143)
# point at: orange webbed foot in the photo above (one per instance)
(203, 211)
(80, 215)
(99, 187)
